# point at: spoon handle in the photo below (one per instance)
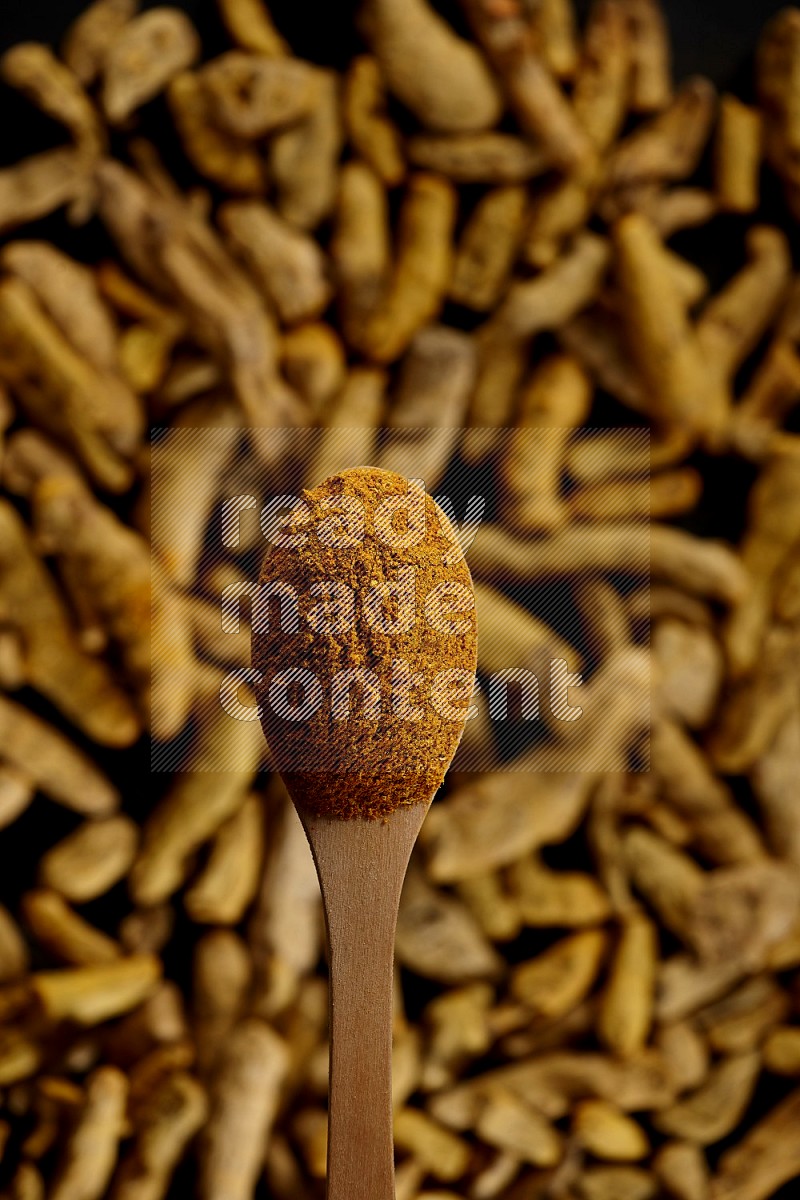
(361, 866)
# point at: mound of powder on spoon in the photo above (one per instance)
(365, 641)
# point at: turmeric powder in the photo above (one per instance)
(375, 598)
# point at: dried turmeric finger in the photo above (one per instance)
(545, 301)
(144, 356)
(512, 636)
(765, 1159)
(772, 529)
(57, 767)
(251, 27)
(314, 364)
(226, 886)
(487, 248)
(444, 1155)
(180, 464)
(477, 157)
(107, 567)
(37, 186)
(421, 273)
(429, 404)
(756, 704)
(682, 651)
(596, 340)
(483, 825)
(286, 264)
(555, 981)
(173, 1111)
(199, 802)
(555, 35)
(90, 36)
(14, 954)
(716, 1108)
(668, 147)
(251, 96)
(16, 792)
(604, 620)
(719, 830)
(659, 332)
(244, 1101)
(734, 320)
(231, 162)
(652, 68)
(682, 1170)
(557, 294)
(90, 1154)
(551, 1082)
(626, 1010)
(737, 156)
(681, 208)
(608, 1133)
(702, 567)
(435, 73)
(80, 686)
(553, 401)
(777, 61)
(149, 51)
(91, 859)
(353, 419)
(438, 938)
(63, 933)
(540, 106)
(601, 89)
(458, 1032)
(369, 128)
(221, 978)
(739, 1022)
(95, 413)
(90, 995)
(773, 392)
(360, 247)
(770, 776)
(557, 214)
(285, 931)
(667, 494)
(181, 255)
(68, 292)
(304, 159)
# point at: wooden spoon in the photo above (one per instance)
(362, 788)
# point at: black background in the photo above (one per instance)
(711, 37)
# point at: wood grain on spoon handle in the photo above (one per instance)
(361, 866)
